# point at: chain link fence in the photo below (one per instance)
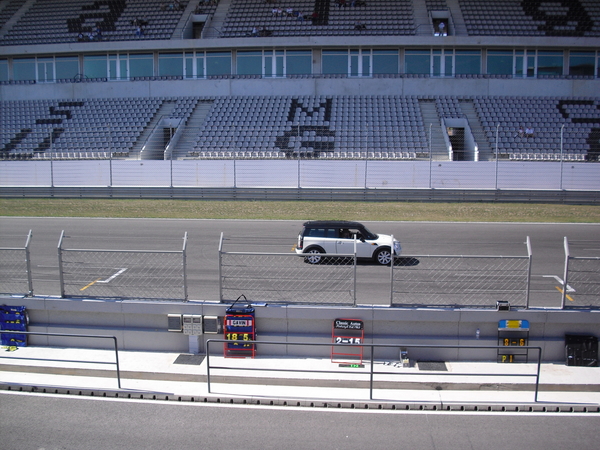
(123, 274)
(459, 281)
(581, 287)
(287, 278)
(15, 270)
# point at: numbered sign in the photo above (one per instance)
(240, 330)
(513, 337)
(347, 335)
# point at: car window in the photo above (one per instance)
(351, 232)
(322, 232)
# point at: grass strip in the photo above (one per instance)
(300, 210)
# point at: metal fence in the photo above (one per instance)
(15, 270)
(581, 287)
(79, 336)
(413, 280)
(286, 278)
(478, 281)
(134, 274)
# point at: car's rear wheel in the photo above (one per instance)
(314, 256)
(383, 256)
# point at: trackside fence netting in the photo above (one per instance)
(477, 281)
(123, 274)
(581, 281)
(287, 278)
(15, 270)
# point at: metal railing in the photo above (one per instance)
(92, 336)
(371, 372)
(15, 269)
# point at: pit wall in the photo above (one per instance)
(143, 326)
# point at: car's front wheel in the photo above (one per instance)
(383, 256)
(314, 256)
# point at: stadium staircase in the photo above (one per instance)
(189, 10)
(486, 152)
(198, 117)
(218, 19)
(421, 17)
(8, 8)
(152, 137)
(460, 29)
(439, 151)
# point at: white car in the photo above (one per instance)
(331, 237)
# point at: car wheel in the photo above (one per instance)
(383, 256)
(314, 256)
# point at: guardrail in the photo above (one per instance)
(371, 372)
(93, 336)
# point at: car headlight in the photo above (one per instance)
(397, 247)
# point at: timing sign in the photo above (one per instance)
(347, 331)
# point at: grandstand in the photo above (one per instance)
(412, 80)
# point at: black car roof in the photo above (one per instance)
(332, 223)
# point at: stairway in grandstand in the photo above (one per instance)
(189, 10)
(439, 151)
(149, 138)
(458, 20)
(11, 12)
(485, 150)
(218, 19)
(421, 17)
(195, 121)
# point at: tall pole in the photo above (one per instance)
(430, 155)
(497, 131)
(562, 129)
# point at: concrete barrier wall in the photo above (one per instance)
(143, 326)
(304, 173)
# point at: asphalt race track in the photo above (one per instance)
(417, 238)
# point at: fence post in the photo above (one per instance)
(51, 163)
(566, 273)
(497, 130)
(562, 128)
(184, 261)
(171, 169)
(528, 288)
(110, 153)
(366, 154)
(298, 174)
(354, 288)
(430, 154)
(235, 155)
(28, 263)
(220, 269)
(392, 275)
(60, 265)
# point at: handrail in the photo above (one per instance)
(94, 336)
(372, 372)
